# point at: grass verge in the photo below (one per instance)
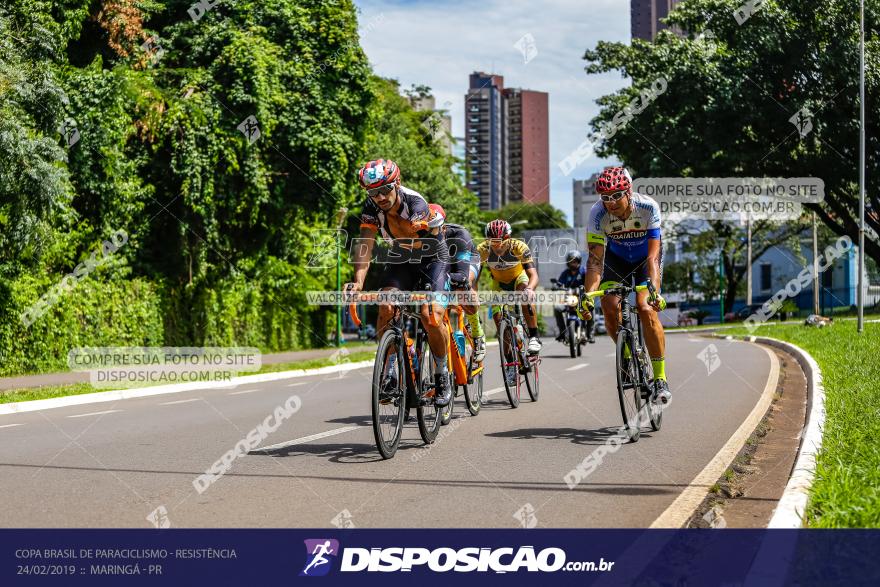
(846, 491)
(50, 391)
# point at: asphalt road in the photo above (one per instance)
(112, 464)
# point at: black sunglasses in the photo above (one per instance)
(380, 191)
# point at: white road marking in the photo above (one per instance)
(296, 384)
(10, 425)
(611, 354)
(491, 391)
(576, 367)
(94, 414)
(305, 439)
(244, 391)
(181, 401)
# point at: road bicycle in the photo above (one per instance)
(467, 374)
(405, 381)
(634, 377)
(514, 354)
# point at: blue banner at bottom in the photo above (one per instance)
(515, 557)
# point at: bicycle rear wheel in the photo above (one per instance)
(531, 377)
(428, 415)
(509, 358)
(389, 401)
(629, 390)
(473, 391)
(652, 404)
(446, 411)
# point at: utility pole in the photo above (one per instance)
(861, 295)
(815, 267)
(749, 261)
(340, 219)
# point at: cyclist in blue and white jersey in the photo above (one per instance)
(623, 239)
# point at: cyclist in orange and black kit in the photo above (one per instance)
(413, 233)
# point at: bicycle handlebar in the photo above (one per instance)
(622, 290)
(352, 307)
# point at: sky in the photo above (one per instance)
(439, 43)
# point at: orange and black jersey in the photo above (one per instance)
(409, 222)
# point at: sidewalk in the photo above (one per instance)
(71, 377)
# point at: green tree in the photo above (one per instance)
(35, 191)
(524, 216)
(731, 90)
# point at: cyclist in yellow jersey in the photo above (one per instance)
(512, 269)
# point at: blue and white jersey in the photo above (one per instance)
(626, 238)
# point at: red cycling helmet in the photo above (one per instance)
(498, 229)
(614, 179)
(377, 173)
(438, 216)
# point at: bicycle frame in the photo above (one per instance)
(399, 324)
(464, 373)
(629, 319)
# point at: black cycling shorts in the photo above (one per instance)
(429, 275)
(620, 270)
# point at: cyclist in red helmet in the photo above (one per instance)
(418, 257)
(623, 240)
(464, 268)
(512, 268)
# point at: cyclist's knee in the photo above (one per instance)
(386, 311)
(610, 305)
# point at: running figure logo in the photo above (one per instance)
(317, 552)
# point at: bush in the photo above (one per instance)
(94, 313)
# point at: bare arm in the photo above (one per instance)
(595, 258)
(653, 262)
(362, 255)
(533, 278)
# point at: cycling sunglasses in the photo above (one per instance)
(613, 197)
(380, 191)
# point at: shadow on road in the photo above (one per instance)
(361, 420)
(585, 487)
(574, 435)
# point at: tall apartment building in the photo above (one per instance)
(645, 17)
(528, 146)
(506, 142)
(485, 146)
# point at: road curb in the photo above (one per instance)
(121, 394)
(789, 513)
(688, 501)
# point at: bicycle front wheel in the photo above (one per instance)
(509, 361)
(628, 385)
(428, 415)
(389, 395)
